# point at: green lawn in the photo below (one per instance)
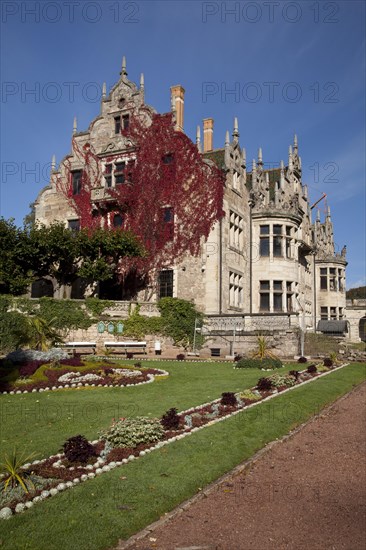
(99, 512)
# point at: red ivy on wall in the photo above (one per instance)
(171, 196)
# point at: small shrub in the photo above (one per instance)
(280, 380)
(129, 355)
(267, 363)
(323, 368)
(73, 361)
(170, 420)
(181, 357)
(295, 374)
(302, 360)
(78, 449)
(249, 394)
(228, 398)
(265, 384)
(311, 369)
(328, 362)
(130, 432)
(137, 365)
(108, 371)
(238, 357)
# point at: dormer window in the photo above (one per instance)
(76, 177)
(117, 125)
(125, 122)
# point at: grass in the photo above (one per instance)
(121, 502)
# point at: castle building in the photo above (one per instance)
(265, 259)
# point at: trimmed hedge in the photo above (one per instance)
(267, 363)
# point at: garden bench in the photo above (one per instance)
(73, 346)
(127, 346)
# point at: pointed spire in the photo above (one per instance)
(282, 175)
(124, 65)
(227, 138)
(198, 138)
(236, 130)
(260, 156)
(104, 90)
(290, 163)
(328, 212)
(318, 215)
(254, 166)
(75, 126)
(295, 141)
(299, 163)
(305, 188)
(244, 156)
(53, 163)
(142, 82)
(267, 178)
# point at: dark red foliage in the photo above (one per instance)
(312, 369)
(328, 362)
(264, 384)
(189, 187)
(129, 355)
(73, 361)
(238, 357)
(171, 420)
(294, 373)
(181, 357)
(78, 449)
(28, 369)
(228, 398)
(302, 360)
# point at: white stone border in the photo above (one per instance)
(6, 513)
(151, 378)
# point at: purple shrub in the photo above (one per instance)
(228, 398)
(28, 369)
(312, 369)
(73, 361)
(264, 384)
(181, 357)
(170, 420)
(302, 360)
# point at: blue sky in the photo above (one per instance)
(292, 67)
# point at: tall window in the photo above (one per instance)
(108, 175)
(323, 278)
(76, 177)
(168, 219)
(264, 240)
(125, 121)
(277, 240)
(235, 289)
(288, 241)
(340, 281)
(277, 296)
(333, 313)
(166, 283)
(119, 173)
(117, 125)
(236, 231)
(332, 279)
(264, 295)
(289, 294)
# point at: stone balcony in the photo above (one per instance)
(100, 194)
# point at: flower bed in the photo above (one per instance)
(127, 439)
(37, 376)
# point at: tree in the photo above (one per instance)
(15, 271)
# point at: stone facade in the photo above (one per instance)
(265, 257)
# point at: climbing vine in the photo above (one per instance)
(170, 196)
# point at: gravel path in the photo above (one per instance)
(305, 493)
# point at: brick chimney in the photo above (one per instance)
(178, 104)
(208, 134)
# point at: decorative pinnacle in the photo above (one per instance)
(328, 212)
(142, 81)
(227, 138)
(53, 163)
(254, 166)
(75, 126)
(295, 141)
(244, 155)
(318, 215)
(260, 156)
(282, 166)
(123, 71)
(104, 90)
(236, 129)
(198, 138)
